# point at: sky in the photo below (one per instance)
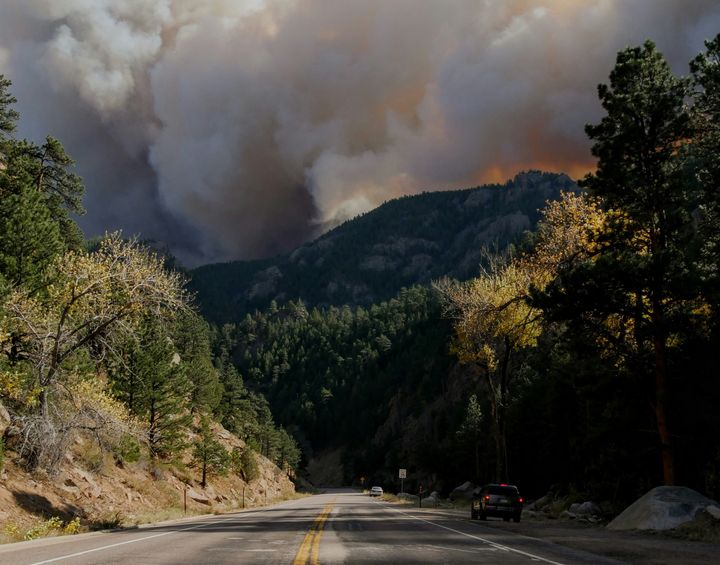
(239, 129)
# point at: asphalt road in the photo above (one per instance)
(336, 527)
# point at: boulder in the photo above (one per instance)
(540, 503)
(463, 492)
(714, 511)
(157, 473)
(198, 497)
(663, 508)
(585, 509)
(4, 417)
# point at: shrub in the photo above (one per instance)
(107, 521)
(92, 457)
(247, 466)
(127, 450)
(51, 527)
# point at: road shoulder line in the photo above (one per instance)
(489, 542)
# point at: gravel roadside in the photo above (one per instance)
(630, 547)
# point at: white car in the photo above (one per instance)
(376, 491)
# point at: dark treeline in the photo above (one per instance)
(331, 374)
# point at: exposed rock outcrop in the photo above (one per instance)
(662, 508)
(463, 492)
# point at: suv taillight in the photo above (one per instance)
(521, 499)
(486, 497)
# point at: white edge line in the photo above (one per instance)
(79, 553)
(239, 514)
(492, 543)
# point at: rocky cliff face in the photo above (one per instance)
(411, 240)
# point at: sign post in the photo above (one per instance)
(402, 474)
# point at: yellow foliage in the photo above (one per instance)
(13, 385)
(51, 527)
(566, 232)
(493, 315)
(96, 299)
(72, 527)
(492, 312)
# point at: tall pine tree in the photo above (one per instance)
(29, 239)
(638, 286)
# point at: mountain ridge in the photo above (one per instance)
(405, 241)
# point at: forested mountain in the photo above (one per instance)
(332, 374)
(408, 241)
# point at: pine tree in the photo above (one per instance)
(47, 168)
(209, 455)
(471, 430)
(192, 338)
(8, 115)
(152, 381)
(29, 239)
(705, 150)
(636, 288)
(288, 457)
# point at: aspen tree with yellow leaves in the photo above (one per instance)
(495, 321)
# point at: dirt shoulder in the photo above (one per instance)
(630, 547)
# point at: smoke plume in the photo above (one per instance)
(232, 129)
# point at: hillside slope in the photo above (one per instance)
(407, 241)
(102, 491)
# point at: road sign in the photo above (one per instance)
(402, 474)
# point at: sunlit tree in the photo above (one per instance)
(94, 302)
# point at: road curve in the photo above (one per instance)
(336, 527)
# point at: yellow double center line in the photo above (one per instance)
(310, 547)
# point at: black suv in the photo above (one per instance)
(496, 500)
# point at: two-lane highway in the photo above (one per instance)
(336, 527)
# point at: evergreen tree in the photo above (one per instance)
(704, 152)
(288, 456)
(471, 430)
(237, 411)
(208, 454)
(635, 291)
(8, 115)
(152, 381)
(29, 239)
(192, 337)
(47, 168)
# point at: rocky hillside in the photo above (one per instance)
(411, 240)
(94, 490)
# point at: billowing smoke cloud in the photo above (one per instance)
(232, 129)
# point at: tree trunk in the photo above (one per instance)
(661, 395)
(504, 378)
(477, 460)
(496, 431)
(152, 429)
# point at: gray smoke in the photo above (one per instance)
(232, 129)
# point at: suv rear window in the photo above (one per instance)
(503, 491)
